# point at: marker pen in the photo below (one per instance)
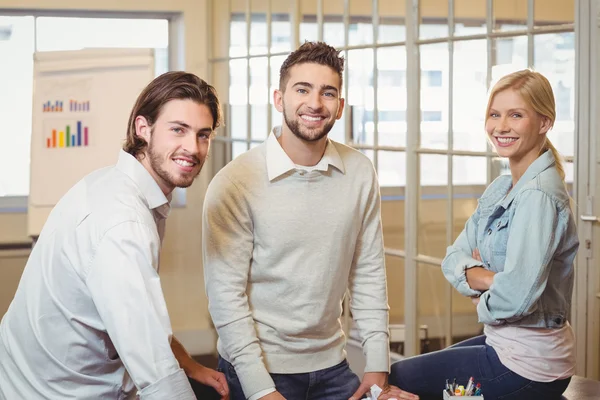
(469, 388)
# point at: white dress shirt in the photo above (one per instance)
(89, 320)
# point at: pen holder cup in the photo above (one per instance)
(448, 397)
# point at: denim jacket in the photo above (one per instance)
(529, 239)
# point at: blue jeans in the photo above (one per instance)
(334, 383)
(426, 374)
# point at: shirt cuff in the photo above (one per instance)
(173, 386)
(254, 378)
(484, 315)
(461, 277)
(377, 354)
(262, 393)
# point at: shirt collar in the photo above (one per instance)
(278, 162)
(152, 193)
(541, 164)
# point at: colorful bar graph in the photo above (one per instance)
(61, 138)
(48, 106)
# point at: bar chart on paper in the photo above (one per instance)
(63, 134)
(79, 106)
(59, 106)
(52, 106)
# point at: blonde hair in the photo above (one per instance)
(535, 89)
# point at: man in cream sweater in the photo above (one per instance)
(287, 227)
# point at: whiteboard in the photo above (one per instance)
(81, 105)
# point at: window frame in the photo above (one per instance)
(176, 56)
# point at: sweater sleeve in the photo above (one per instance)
(227, 236)
(367, 284)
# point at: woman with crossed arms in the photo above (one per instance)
(514, 258)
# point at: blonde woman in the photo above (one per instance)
(514, 258)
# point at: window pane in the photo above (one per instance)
(391, 168)
(281, 29)
(394, 268)
(469, 170)
(308, 23)
(469, 95)
(434, 16)
(509, 15)
(360, 94)
(553, 12)
(469, 17)
(360, 30)
(434, 96)
(276, 117)
(392, 218)
(238, 148)
(554, 56)
(391, 95)
(333, 22)
(391, 22)
(431, 303)
(238, 35)
(569, 174)
(259, 97)
(433, 170)
(464, 318)
(16, 81)
(57, 33)
(258, 32)
(510, 55)
(238, 98)
(432, 206)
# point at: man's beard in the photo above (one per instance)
(303, 133)
(156, 165)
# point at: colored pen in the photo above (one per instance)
(469, 388)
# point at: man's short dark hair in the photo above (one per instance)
(312, 52)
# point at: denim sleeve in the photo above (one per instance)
(458, 257)
(534, 236)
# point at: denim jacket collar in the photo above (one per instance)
(543, 162)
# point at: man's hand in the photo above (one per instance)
(392, 392)
(369, 379)
(209, 377)
(200, 373)
(273, 396)
(475, 300)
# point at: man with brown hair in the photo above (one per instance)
(288, 226)
(89, 319)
